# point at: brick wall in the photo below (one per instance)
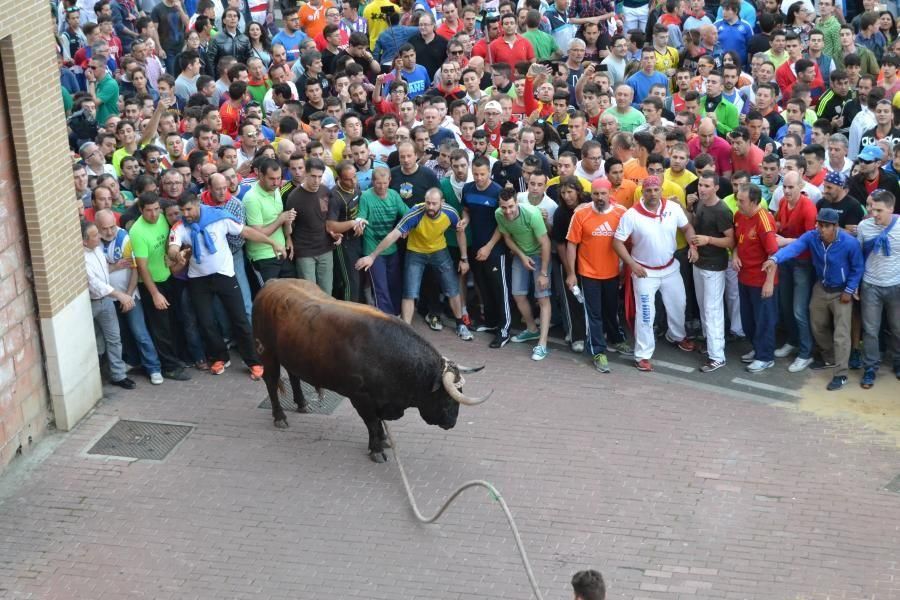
(24, 411)
(41, 266)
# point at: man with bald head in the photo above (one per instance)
(123, 277)
(796, 215)
(218, 194)
(708, 142)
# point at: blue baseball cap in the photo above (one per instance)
(871, 153)
(828, 215)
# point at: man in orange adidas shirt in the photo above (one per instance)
(590, 241)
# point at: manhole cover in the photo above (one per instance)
(286, 397)
(140, 439)
(894, 485)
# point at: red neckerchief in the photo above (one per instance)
(207, 199)
(467, 144)
(643, 210)
(384, 142)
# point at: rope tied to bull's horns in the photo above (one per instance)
(495, 494)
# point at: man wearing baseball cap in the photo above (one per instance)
(838, 263)
(835, 195)
(871, 176)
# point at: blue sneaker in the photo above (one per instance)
(539, 353)
(836, 383)
(855, 360)
(868, 378)
(526, 336)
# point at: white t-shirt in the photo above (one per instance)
(580, 172)
(652, 239)
(210, 264)
(380, 152)
(546, 203)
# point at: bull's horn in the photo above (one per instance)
(458, 395)
(463, 369)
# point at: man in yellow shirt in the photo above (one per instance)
(377, 18)
(677, 171)
(426, 246)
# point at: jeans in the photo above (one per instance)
(203, 290)
(442, 265)
(795, 278)
(106, 323)
(671, 288)
(387, 277)
(317, 269)
(134, 321)
(601, 313)
(240, 273)
(759, 316)
(710, 288)
(830, 320)
(523, 279)
(876, 300)
(187, 316)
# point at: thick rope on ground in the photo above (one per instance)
(495, 494)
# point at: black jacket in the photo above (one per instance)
(224, 44)
(886, 181)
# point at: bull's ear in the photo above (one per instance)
(438, 383)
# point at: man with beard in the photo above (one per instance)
(884, 128)
(592, 260)
(410, 179)
(835, 195)
(343, 206)
(870, 176)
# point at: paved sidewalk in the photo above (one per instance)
(672, 488)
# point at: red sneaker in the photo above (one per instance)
(218, 367)
(256, 372)
(467, 320)
(643, 365)
(685, 345)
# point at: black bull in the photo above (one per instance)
(379, 362)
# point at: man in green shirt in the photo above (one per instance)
(523, 229)
(149, 240)
(103, 88)
(544, 45)
(629, 118)
(265, 213)
(380, 209)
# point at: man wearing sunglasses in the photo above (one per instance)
(871, 176)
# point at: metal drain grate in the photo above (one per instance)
(326, 407)
(140, 439)
(894, 485)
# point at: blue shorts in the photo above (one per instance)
(414, 268)
(524, 280)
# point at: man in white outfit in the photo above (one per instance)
(651, 225)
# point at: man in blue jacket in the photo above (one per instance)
(839, 266)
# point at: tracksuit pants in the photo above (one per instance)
(710, 288)
(493, 284)
(347, 278)
(601, 313)
(733, 300)
(573, 315)
(386, 275)
(671, 288)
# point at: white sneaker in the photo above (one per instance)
(748, 358)
(799, 364)
(578, 347)
(784, 351)
(760, 365)
(156, 378)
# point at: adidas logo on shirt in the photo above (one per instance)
(604, 230)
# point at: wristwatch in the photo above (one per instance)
(463, 259)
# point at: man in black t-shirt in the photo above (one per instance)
(835, 195)
(313, 243)
(410, 179)
(343, 205)
(714, 235)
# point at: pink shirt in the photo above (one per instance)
(719, 150)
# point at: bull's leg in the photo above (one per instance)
(382, 435)
(272, 377)
(373, 425)
(297, 390)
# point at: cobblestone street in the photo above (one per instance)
(672, 487)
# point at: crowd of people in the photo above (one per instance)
(700, 173)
